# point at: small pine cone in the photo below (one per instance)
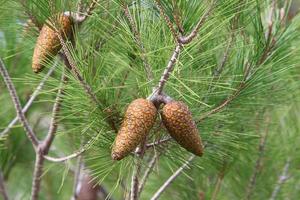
(139, 118)
(179, 122)
(48, 44)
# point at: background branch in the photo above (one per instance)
(13, 94)
(3, 191)
(281, 179)
(257, 168)
(138, 40)
(31, 99)
(167, 20)
(159, 192)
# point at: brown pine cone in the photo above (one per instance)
(139, 118)
(179, 122)
(48, 44)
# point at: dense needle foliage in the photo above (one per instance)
(244, 57)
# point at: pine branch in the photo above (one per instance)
(3, 191)
(44, 146)
(281, 179)
(257, 168)
(177, 17)
(138, 40)
(159, 192)
(170, 67)
(13, 93)
(31, 99)
(167, 20)
(193, 34)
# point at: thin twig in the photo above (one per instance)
(31, 16)
(71, 64)
(139, 153)
(257, 168)
(218, 184)
(138, 40)
(167, 19)
(31, 99)
(73, 155)
(13, 93)
(193, 34)
(159, 142)
(3, 191)
(172, 178)
(224, 103)
(147, 173)
(53, 125)
(281, 179)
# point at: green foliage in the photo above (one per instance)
(110, 61)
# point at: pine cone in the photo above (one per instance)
(48, 44)
(139, 118)
(179, 122)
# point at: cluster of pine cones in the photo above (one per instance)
(141, 113)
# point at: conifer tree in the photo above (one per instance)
(149, 99)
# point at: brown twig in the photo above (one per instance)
(172, 178)
(13, 93)
(30, 101)
(193, 34)
(138, 40)
(159, 142)
(53, 125)
(3, 191)
(167, 19)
